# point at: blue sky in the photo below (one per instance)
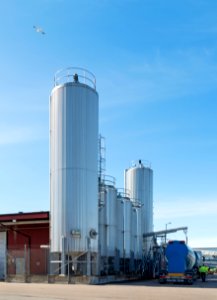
(156, 67)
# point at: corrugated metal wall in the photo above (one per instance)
(3, 242)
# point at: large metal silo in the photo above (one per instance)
(73, 162)
(139, 183)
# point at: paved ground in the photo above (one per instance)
(148, 290)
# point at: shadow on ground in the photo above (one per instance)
(211, 282)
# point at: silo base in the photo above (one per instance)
(74, 264)
(91, 279)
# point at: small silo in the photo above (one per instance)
(124, 232)
(102, 223)
(73, 165)
(136, 230)
(139, 233)
(127, 227)
(111, 218)
(120, 226)
(108, 223)
(139, 182)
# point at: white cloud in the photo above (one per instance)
(208, 241)
(183, 208)
(197, 213)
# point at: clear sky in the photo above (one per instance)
(156, 67)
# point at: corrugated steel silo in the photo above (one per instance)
(139, 182)
(108, 216)
(139, 233)
(120, 226)
(73, 162)
(127, 227)
(111, 219)
(136, 231)
(102, 223)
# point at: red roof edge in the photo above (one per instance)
(27, 216)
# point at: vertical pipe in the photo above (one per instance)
(88, 258)
(25, 262)
(48, 261)
(68, 260)
(63, 258)
(123, 240)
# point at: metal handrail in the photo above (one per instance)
(136, 203)
(125, 193)
(108, 180)
(75, 68)
(83, 74)
(140, 162)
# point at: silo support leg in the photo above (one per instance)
(88, 263)
(63, 258)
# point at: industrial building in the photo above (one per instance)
(96, 230)
(21, 238)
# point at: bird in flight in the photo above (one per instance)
(39, 29)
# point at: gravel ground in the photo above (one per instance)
(146, 290)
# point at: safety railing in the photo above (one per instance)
(75, 74)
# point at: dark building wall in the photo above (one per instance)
(24, 252)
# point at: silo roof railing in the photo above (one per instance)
(75, 74)
(136, 203)
(108, 180)
(124, 193)
(141, 163)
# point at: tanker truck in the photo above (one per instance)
(181, 264)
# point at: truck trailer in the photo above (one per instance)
(181, 264)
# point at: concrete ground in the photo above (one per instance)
(146, 290)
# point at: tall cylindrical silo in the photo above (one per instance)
(139, 233)
(127, 227)
(108, 205)
(102, 223)
(136, 231)
(139, 182)
(73, 162)
(111, 219)
(120, 226)
(108, 217)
